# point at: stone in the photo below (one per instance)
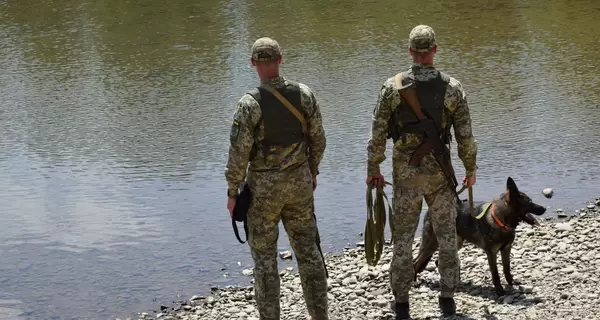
(564, 227)
(568, 270)
(557, 263)
(248, 272)
(385, 267)
(508, 300)
(548, 192)
(285, 255)
(526, 289)
(209, 300)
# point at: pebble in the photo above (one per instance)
(248, 272)
(556, 262)
(543, 249)
(568, 270)
(508, 300)
(209, 300)
(564, 227)
(285, 255)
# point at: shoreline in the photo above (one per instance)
(558, 265)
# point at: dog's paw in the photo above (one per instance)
(511, 281)
(500, 291)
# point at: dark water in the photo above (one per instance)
(114, 119)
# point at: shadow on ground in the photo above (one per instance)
(457, 316)
(484, 291)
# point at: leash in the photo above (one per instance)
(471, 207)
(375, 226)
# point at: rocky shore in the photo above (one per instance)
(558, 265)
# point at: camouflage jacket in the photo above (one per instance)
(247, 132)
(456, 114)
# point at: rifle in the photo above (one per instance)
(433, 141)
(318, 240)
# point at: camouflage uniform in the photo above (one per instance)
(412, 184)
(281, 186)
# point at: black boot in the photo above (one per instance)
(402, 311)
(447, 305)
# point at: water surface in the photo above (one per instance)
(114, 120)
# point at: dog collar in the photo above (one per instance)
(498, 221)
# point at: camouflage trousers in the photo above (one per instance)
(411, 185)
(285, 196)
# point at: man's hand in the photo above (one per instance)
(230, 206)
(470, 181)
(376, 180)
(314, 180)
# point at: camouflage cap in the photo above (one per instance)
(265, 49)
(421, 38)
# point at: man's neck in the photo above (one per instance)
(423, 63)
(269, 79)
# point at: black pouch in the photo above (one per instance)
(240, 211)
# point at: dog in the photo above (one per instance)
(492, 228)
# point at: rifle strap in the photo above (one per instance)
(287, 104)
(471, 208)
(237, 233)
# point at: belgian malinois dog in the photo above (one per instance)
(492, 228)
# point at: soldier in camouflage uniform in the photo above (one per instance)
(282, 176)
(444, 100)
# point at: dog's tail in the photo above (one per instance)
(428, 246)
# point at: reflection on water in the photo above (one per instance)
(9, 309)
(114, 125)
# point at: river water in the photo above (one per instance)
(114, 121)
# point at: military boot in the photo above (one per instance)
(402, 311)
(447, 305)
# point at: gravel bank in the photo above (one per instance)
(558, 265)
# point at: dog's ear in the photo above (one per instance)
(511, 189)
